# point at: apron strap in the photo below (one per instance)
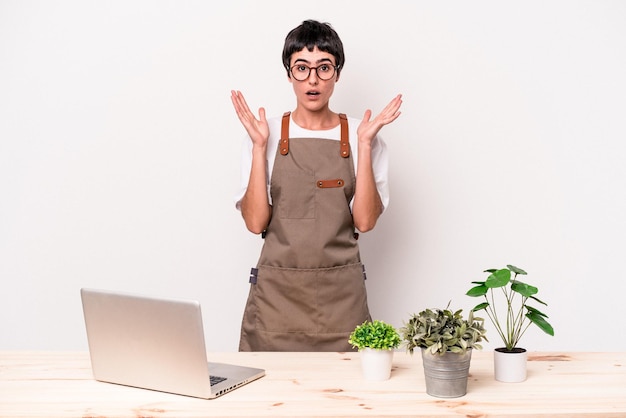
(344, 146)
(284, 134)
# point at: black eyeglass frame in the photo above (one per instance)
(334, 67)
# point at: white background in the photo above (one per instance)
(119, 155)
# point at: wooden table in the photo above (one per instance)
(60, 384)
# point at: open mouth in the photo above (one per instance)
(312, 93)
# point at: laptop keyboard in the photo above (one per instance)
(216, 379)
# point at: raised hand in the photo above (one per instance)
(257, 129)
(368, 129)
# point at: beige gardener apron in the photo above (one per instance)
(307, 292)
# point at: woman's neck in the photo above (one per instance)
(315, 121)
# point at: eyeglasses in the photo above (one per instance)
(302, 72)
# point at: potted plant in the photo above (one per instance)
(446, 341)
(511, 320)
(376, 341)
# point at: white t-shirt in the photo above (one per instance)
(380, 163)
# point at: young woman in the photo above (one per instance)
(311, 179)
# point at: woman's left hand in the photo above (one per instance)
(368, 129)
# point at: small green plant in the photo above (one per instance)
(375, 334)
(518, 314)
(441, 330)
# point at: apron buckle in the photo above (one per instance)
(253, 275)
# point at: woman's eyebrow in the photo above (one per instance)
(317, 62)
(302, 60)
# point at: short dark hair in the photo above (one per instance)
(311, 34)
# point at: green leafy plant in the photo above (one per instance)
(375, 334)
(441, 330)
(518, 314)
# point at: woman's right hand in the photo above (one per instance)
(257, 129)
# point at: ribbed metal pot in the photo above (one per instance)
(446, 374)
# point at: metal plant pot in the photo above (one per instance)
(446, 374)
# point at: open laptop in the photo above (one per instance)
(154, 343)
